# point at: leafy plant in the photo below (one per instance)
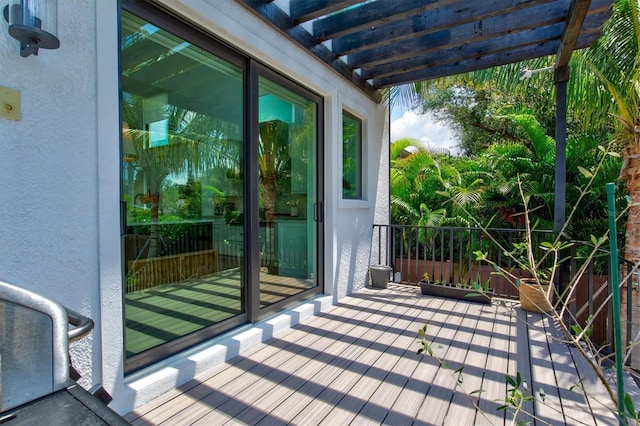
(517, 395)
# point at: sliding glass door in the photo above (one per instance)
(206, 245)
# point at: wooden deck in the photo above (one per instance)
(357, 364)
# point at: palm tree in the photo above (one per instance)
(195, 144)
(406, 174)
(532, 162)
(419, 179)
(274, 164)
(605, 85)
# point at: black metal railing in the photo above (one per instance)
(174, 237)
(448, 254)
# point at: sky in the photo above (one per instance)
(424, 127)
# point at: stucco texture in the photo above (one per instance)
(48, 225)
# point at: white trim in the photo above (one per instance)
(108, 335)
(364, 202)
(151, 382)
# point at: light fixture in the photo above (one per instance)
(525, 73)
(33, 23)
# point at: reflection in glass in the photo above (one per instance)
(182, 148)
(351, 157)
(287, 146)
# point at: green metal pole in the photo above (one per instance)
(615, 288)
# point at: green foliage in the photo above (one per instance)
(629, 410)
(436, 190)
(517, 393)
(603, 105)
(425, 346)
(516, 396)
(475, 105)
(418, 181)
(581, 333)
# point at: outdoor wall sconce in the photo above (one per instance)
(33, 23)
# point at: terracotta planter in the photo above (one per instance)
(452, 292)
(533, 297)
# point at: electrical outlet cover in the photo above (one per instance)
(9, 103)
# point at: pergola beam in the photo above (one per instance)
(283, 22)
(306, 10)
(392, 42)
(487, 61)
(575, 19)
(439, 51)
(370, 15)
(568, 42)
(495, 45)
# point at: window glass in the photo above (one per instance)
(182, 185)
(351, 157)
(287, 146)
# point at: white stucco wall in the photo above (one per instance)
(59, 227)
(48, 170)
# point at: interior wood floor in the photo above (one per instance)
(356, 364)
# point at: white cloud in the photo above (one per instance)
(425, 128)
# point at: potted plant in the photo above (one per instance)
(474, 292)
(534, 268)
(536, 290)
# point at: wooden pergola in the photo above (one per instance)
(377, 44)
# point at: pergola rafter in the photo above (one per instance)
(381, 43)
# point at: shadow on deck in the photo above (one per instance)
(357, 364)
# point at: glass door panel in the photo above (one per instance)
(287, 157)
(182, 186)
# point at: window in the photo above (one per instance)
(351, 157)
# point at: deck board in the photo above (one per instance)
(387, 393)
(497, 366)
(385, 380)
(274, 353)
(411, 398)
(571, 395)
(462, 409)
(548, 409)
(357, 364)
(596, 393)
(436, 404)
(520, 344)
(351, 389)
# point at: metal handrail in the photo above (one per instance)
(82, 325)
